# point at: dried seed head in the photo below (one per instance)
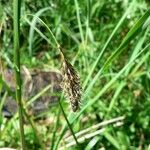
(71, 85)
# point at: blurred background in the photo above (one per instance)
(107, 42)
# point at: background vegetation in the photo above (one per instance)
(107, 42)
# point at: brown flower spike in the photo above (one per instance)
(71, 84)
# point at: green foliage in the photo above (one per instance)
(108, 43)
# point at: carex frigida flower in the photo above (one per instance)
(71, 84)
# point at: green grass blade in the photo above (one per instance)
(119, 50)
(2, 102)
(132, 33)
(32, 27)
(79, 20)
(117, 92)
(92, 143)
(55, 129)
(5, 85)
(107, 43)
(69, 125)
(112, 140)
(137, 49)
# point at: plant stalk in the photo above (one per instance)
(16, 32)
(69, 125)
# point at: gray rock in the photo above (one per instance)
(32, 83)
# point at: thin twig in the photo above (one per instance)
(89, 135)
(94, 127)
(83, 138)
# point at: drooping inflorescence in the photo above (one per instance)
(71, 85)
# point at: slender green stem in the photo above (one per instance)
(87, 21)
(16, 25)
(69, 125)
(55, 128)
(36, 132)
